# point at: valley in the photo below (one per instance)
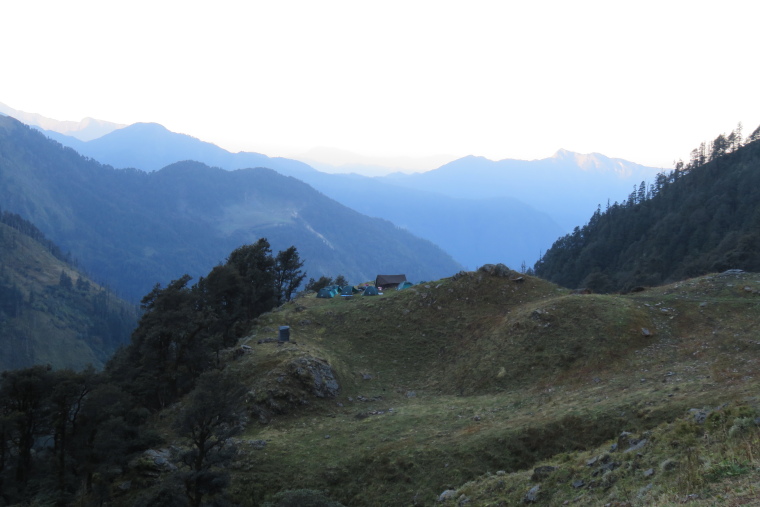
(205, 210)
(486, 386)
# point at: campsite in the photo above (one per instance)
(382, 282)
(465, 385)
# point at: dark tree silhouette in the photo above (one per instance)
(288, 274)
(210, 418)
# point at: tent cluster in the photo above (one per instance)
(330, 291)
(336, 290)
(382, 281)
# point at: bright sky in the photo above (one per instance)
(646, 81)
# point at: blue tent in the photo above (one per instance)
(326, 293)
(371, 290)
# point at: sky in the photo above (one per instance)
(645, 81)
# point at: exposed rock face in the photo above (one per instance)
(497, 270)
(461, 274)
(315, 374)
(292, 385)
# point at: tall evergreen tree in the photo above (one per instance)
(211, 416)
(255, 265)
(288, 274)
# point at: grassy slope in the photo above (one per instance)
(447, 382)
(52, 329)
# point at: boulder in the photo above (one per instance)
(700, 416)
(291, 385)
(638, 445)
(449, 493)
(532, 495)
(626, 440)
(496, 270)
(317, 375)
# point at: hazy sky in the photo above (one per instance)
(646, 81)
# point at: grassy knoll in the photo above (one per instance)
(469, 383)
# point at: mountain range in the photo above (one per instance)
(84, 130)
(486, 387)
(478, 210)
(568, 186)
(132, 229)
(700, 219)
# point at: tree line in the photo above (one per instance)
(67, 436)
(702, 216)
(29, 229)
(185, 327)
(37, 316)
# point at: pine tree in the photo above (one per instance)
(255, 265)
(211, 416)
(65, 281)
(288, 274)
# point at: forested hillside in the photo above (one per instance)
(703, 216)
(150, 147)
(50, 313)
(132, 229)
(66, 434)
(492, 225)
(487, 388)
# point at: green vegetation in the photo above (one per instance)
(184, 328)
(324, 281)
(131, 229)
(50, 312)
(702, 217)
(465, 385)
(487, 388)
(62, 433)
(437, 394)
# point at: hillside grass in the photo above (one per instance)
(469, 383)
(42, 322)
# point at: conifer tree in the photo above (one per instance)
(288, 274)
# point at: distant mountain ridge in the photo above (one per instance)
(332, 160)
(473, 232)
(480, 211)
(701, 219)
(84, 130)
(133, 229)
(150, 147)
(567, 186)
(599, 162)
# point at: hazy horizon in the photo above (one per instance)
(643, 82)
